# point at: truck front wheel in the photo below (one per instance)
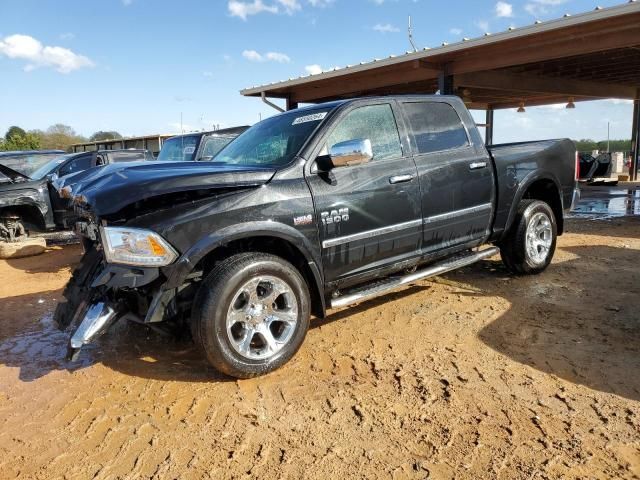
(530, 244)
(251, 314)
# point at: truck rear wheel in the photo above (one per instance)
(530, 244)
(251, 314)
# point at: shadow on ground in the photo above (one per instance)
(578, 320)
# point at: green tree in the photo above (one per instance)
(16, 141)
(58, 136)
(615, 145)
(100, 135)
(13, 131)
(586, 145)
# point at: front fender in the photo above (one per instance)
(32, 198)
(189, 259)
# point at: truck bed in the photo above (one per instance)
(517, 163)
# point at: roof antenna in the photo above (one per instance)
(410, 31)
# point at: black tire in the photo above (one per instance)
(77, 291)
(213, 302)
(513, 248)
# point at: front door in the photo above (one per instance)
(456, 180)
(369, 215)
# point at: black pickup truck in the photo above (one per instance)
(197, 146)
(312, 209)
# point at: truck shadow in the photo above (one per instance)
(577, 321)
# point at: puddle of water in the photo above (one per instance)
(609, 204)
(38, 352)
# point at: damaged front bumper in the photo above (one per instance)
(98, 318)
(99, 294)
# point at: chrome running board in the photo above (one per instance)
(383, 286)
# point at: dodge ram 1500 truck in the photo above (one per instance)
(312, 209)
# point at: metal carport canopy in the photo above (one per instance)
(588, 56)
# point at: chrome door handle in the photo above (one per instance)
(477, 165)
(400, 178)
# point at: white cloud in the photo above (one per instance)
(25, 47)
(314, 69)
(126, 3)
(244, 9)
(455, 31)
(542, 7)
(67, 36)
(555, 106)
(277, 57)
(504, 9)
(290, 6)
(385, 28)
(254, 56)
(321, 3)
(620, 101)
(482, 25)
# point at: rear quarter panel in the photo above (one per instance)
(518, 165)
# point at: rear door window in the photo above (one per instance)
(436, 126)
(375, 122)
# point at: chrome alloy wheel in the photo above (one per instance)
(262, 317)
(539, 238)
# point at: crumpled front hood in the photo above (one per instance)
(79, 180)
(114, 189)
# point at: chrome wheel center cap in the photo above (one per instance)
(255, 313)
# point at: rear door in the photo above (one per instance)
(369, 214)
(456, 179)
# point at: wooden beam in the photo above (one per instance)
(535, 102)
(545, 85)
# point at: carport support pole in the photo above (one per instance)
(445, 82)
(489, 127)
(291, 104)
(635, 139)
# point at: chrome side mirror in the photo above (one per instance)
(351, 152)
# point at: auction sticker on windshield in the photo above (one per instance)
(309, 118)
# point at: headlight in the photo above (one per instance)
(135, 246)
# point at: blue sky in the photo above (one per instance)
(136, 65)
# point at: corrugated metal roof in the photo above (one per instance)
(567, 20)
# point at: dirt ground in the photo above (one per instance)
(476, 374)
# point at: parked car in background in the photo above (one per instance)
(200, 146)
(91, 163)
(31, 202)
(315, 208)
(26, 162)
